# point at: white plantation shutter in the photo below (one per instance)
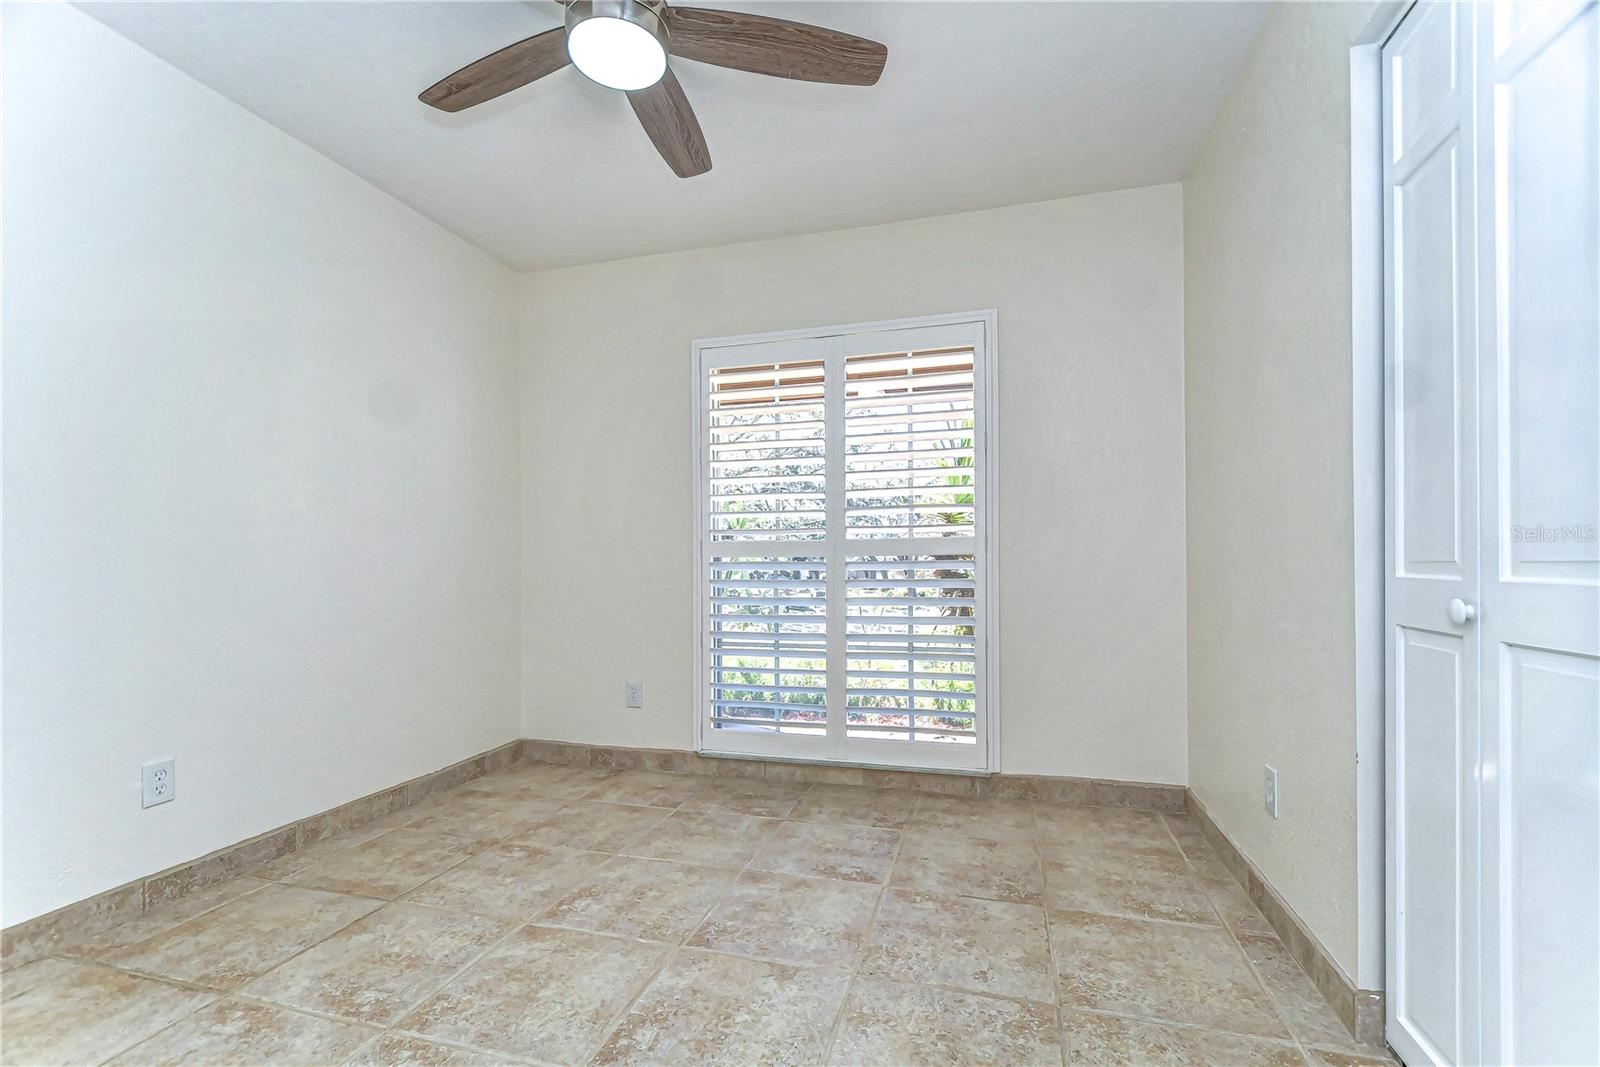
(910, 615)
(842, 550)
(767, 611)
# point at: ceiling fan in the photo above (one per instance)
(624, 44)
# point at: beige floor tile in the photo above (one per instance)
(1239, 913)
(380, 967)
(510, 881)
(708, 838)
(1370, 1057)
(747, 796)
(239, 1032)
(853, 805)
(956, 961)
(1161, 971)
(397, 1050)
(19, 978)
(1076, 827)
(1133, 884)
(709, 1010)
(388, 865)
(852, 853)
(1107, 1041)
(542, 994)
(164, 917)
(547, 779)
(1210, 870)
(291, 862)
(592, 826)
(651, 789)
(1298, 1000)
(68, 1012)
(480, 816)
(1188, 835)
(993, 819)
(896, 1023)
(970, 866)
(244, 938)
(650, 899)
(985, 946)
(786, 919)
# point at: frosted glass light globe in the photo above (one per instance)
(616, 53)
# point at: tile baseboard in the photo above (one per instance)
(1361, 1010)
(1099, 792)
(59, 929)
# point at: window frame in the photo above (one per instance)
(786, 748)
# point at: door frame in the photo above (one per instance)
(1368, 510)
(988, 411)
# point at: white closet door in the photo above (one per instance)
(1538, 164)
(1431, 372)
(1492, 284)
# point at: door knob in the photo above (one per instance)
(1461, 612)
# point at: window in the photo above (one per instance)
(843, 559)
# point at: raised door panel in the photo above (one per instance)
(1428, 393)
(1432, 736)
(1550, 819)
(1547, 177)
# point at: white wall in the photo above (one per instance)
(260, 461)
(1271, 597)
(1089, 294)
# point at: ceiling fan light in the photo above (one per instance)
(621, 44)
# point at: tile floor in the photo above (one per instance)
(562, 915)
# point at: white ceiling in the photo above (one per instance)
(981, 104)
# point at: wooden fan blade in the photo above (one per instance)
(772, 46)
(666, 116)
(498, 73)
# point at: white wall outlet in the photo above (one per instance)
(160, 782)
(1270, 797)
(633, 692)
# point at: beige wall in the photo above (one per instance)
(260, 469)
(1267, 334)
(1089, 294)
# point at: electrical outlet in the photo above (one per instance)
(633, 692)
(160, 782)
(1270, 798)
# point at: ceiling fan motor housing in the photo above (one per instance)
(648, 15)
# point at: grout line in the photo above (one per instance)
(1272, 1001)
(115, 1052)
(377, 1029)
(1195, 1028)
(405, 1013)
(459, 1046)
(945, 987)
(69, 951)
(860, 956)
(1361, 1048)
(1050, 937)
(233, 990)
(667, 959)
